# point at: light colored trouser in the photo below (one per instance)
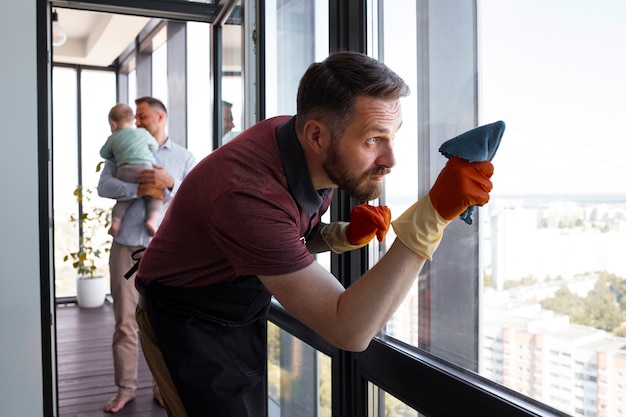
(156, 363)
(125, 340)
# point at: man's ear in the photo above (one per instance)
(316, 136)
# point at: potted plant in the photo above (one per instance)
(92, 222)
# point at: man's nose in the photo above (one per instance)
(387, 158)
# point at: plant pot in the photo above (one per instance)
(91, 292)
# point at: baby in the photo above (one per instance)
(133, 150)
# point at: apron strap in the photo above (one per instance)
(135, 256)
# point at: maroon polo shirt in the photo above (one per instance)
(247, 209)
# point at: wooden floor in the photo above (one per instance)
(85, 366)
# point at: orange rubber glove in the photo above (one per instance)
(460, 184)
(365, 222)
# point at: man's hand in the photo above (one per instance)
(153, 182)
(157, 178)
(460, 184)
(366, 222)
(150, 191)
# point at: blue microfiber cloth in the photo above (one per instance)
(476, 145)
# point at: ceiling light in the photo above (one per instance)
(59, 36)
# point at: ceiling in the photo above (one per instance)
(95, 38)
(98, 38)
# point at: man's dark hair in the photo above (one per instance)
(329, 89)
(152, 102)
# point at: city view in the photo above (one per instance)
(554, 301)
(552, 304)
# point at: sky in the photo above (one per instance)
(555, 72)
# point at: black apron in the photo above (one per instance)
(214, 342)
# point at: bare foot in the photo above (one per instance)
(118, 402)
(159, 400)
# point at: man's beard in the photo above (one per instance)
(361, 188)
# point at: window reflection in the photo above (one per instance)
(383, 404)
(296, 36)
(232, 82)
(299, 377)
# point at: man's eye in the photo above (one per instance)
(372, 141)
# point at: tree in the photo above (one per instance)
(617, 285)
(565, 302)
(601, 307)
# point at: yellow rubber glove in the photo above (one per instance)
(365, 222)
(460, 184)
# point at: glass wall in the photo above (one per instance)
(296, 36)
(401, 186)
(232, 81)
(532, 295)
(554, 278)
(159, 71)
(132, 88)
(80, 129)
(440, 312)
(199, 105)
(528, 300)
(65, 136)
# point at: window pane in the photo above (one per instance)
(401, 186)
(232, 82)
(199, 120)
(132, 88)
(299, 377)
(159, 74)
(98, 95)
(296, 36)
(65, 154)
(555, 230)
(546, 296)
